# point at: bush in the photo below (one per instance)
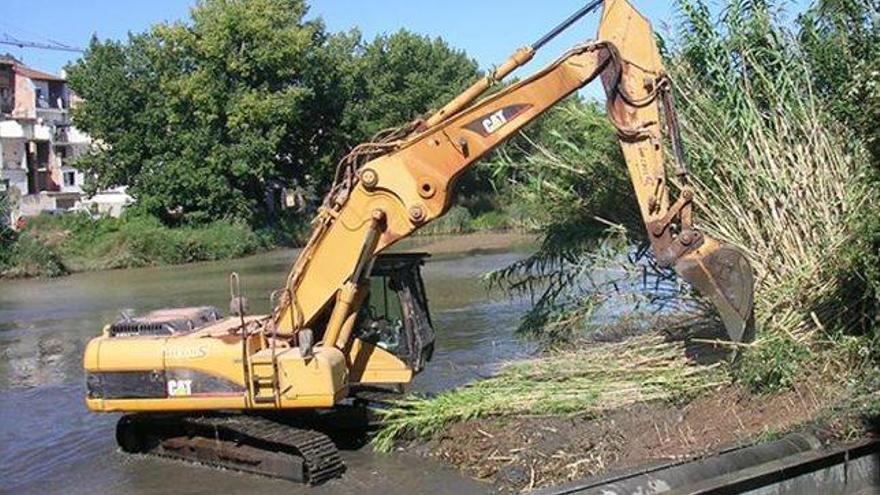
(7, 241)
(29, 257)
(144, 241)
(287, 230)
(7, 235)
(774, 365)
(82, 243)
(491, 220)
(223, 240)
(457, 220)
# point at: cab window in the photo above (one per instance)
(381, 321)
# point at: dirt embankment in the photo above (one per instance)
(519, 454)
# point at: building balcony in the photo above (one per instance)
(54, 116)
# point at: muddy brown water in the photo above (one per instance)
(50, 443)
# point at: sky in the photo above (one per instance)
(489, 30)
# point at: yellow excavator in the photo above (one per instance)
(226, 390)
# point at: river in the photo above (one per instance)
(50, 443)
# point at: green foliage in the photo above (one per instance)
(81, 243)
(286, 230)
(568, 173)
(774, 365)
(568, 168)
(492, 220)
(457, 220)
(201, 118)
(463, 219)
(776, 175)
(144, 241)
(841, 39)
(399, 77)
(7, 235)
(764, 153)
(29, 257)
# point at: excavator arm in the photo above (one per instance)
(411, 182)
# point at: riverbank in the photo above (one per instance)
(559, 436)
(52, 246)
(523, 453)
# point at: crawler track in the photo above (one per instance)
(241, 442)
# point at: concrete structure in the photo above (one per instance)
(109, 203)
(37, 140)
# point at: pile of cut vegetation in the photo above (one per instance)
(776, 174)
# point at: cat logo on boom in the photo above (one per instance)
(494, 122)
(490, 123)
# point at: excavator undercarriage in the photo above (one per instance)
(226, 391)
(240, 442)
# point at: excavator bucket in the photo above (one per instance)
(722, 273)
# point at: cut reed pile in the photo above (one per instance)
(591, 380)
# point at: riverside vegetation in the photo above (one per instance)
(785, 167)
(50, 246)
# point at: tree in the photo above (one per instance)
(400, 77)
(842, 41)
(203, 117)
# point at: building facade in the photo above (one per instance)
(37, 141)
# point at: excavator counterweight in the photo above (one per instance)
(198, 386)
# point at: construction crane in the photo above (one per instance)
(51, 45)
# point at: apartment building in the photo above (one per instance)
(37, 140)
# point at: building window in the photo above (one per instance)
(69, 179)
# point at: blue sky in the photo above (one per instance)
(489, 30)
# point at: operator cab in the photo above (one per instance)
(395, 316)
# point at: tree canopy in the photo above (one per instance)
(400, 76)
(200, 119)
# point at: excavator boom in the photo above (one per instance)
(410, 183)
